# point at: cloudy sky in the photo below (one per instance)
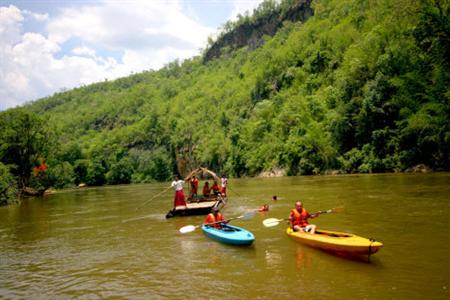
(50, 45)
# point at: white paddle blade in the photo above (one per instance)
(188, 228)
(271, 222)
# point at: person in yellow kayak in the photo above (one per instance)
(299, 219)
(214, 216)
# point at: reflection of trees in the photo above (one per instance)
(30, 221)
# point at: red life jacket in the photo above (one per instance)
(211, 219)
(299, 218)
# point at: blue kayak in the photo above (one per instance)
(229, 234)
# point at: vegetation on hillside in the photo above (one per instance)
(363, 86)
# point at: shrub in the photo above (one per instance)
(8, 186)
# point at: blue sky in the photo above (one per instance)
(47, 46)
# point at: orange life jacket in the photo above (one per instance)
(299, 218)
(211, 219)
(263, 208)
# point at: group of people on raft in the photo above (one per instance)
(215, 189)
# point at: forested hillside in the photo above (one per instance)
(361, 86)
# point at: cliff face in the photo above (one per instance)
(251, 34)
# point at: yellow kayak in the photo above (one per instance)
(339, 242)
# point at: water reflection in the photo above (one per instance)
(302, 259)
(273, 258)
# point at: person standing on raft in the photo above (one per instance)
(194, 186)
(177, 184)
(299, 219)
(224, 183)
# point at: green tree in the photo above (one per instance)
(120, 172)
(25, 140)
(61, 175)
(8, 186)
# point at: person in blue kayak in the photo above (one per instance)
(299, 219)
(214, 216)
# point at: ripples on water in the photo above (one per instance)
(93, 243)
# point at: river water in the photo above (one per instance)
(93, 243)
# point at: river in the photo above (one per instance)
(93, 243)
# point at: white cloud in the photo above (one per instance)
(10, 25)
(145, 34)
(125, 25)
(243, 6)
(83, 50)
(37, 16)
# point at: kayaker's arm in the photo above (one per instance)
(315, 215)
(290, 217)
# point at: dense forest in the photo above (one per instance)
(361, 86)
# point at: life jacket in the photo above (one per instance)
(299, 218)
(215, 188)
(211, 219)
(263, 208)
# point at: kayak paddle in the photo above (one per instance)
(190, 228)
(274, 221)
(270, 222)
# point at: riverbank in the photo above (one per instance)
(279, 172)
(275, 173)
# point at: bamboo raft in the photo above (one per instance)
(199, 206)
(196, 204)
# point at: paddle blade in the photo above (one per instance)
(271, 222)
(188, 228)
